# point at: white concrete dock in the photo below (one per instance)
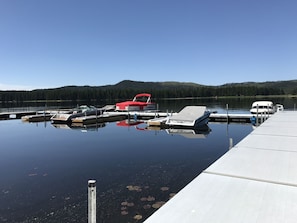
(256, 181)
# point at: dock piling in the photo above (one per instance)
(230, 143)
(92, 201)
(227, 108)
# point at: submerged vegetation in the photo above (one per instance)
(127, 89)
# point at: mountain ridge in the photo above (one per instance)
(126, 89)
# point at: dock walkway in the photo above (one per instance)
(256, 181)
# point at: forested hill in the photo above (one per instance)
(127, 89)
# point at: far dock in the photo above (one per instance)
(109, 116)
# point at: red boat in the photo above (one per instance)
(141, 102)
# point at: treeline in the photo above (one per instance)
(127, 89)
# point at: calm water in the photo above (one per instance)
(44, 169)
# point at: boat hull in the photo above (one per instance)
(141, 102)
(133, 107)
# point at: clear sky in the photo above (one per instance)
(53, 43)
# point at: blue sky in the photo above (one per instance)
(53, 43)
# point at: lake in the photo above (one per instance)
(44, 169)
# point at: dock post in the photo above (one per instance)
(257, 124)
(230, 143)
(92, 201)
(227, 107)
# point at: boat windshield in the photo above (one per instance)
(262, 106)
(142, 98)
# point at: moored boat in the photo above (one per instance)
(279, 107)
(82, 110)
(265, 107)
(262, 107)
(189, 116)
(141, 102)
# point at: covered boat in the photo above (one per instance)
(141, 102)
(188, 117)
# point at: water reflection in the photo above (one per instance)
(195, 133)
(44, 169)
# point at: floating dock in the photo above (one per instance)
(241, 118)
(255, 181)
(92, 119)
(37, 118)
(117, 116)
(108, 116)
(15, 115)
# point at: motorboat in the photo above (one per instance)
(265, 107)
(262, 107)
(279, 107)
(82, 110)
(141, 102)
(189, 116)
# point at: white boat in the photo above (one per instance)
(190, 116)
(279, 107)
(265, 107)
(262, 107)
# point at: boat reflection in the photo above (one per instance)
(79, 126)
(129, 122)
(200, 132)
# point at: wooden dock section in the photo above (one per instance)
(256, 181)
(37, 118)
(117, 116)
(92, 119)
